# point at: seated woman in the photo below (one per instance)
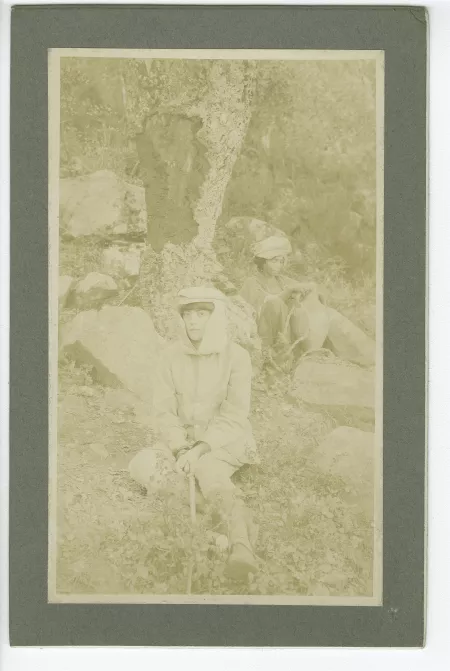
(292, 316)
(202, 403)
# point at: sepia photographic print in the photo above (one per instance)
(216, 285)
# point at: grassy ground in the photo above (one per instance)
(113, 538)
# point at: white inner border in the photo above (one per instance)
(54, 60)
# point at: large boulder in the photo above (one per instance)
(349, 341)
(329, 328)
(65, 286)
(339, 387)
(120, 343)
(251, 230)
(122, 262)
(153, 468)
(93, 290)
(101, 204)
(348, 454)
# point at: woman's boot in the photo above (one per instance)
(241, 561)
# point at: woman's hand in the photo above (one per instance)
(286, 294)
(298, 291)
(187, 461)
(303, 289)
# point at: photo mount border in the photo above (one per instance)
(400, 621)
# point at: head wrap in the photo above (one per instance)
(269, 248)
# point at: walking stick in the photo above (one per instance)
(192, 506)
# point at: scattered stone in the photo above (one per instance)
(119, 342)
(99, 449)
(122, 263)
(120, 399)
(65, 286)
(101, 204)
(155, 468)
(119, 420)
(94, 290)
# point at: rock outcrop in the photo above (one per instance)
(93, 290)
(120, 343)
(101, 204)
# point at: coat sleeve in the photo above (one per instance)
(230, 423)
(171, 429)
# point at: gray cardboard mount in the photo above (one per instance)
(402, 33)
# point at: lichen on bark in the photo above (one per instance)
(183, 254)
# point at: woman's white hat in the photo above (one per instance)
(199, 295)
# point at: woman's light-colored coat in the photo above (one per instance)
(204, 394)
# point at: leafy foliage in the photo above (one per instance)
(308, 158)
(308, 162)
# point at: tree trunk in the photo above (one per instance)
(187, 158)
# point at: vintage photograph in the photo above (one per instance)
(215, 326)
